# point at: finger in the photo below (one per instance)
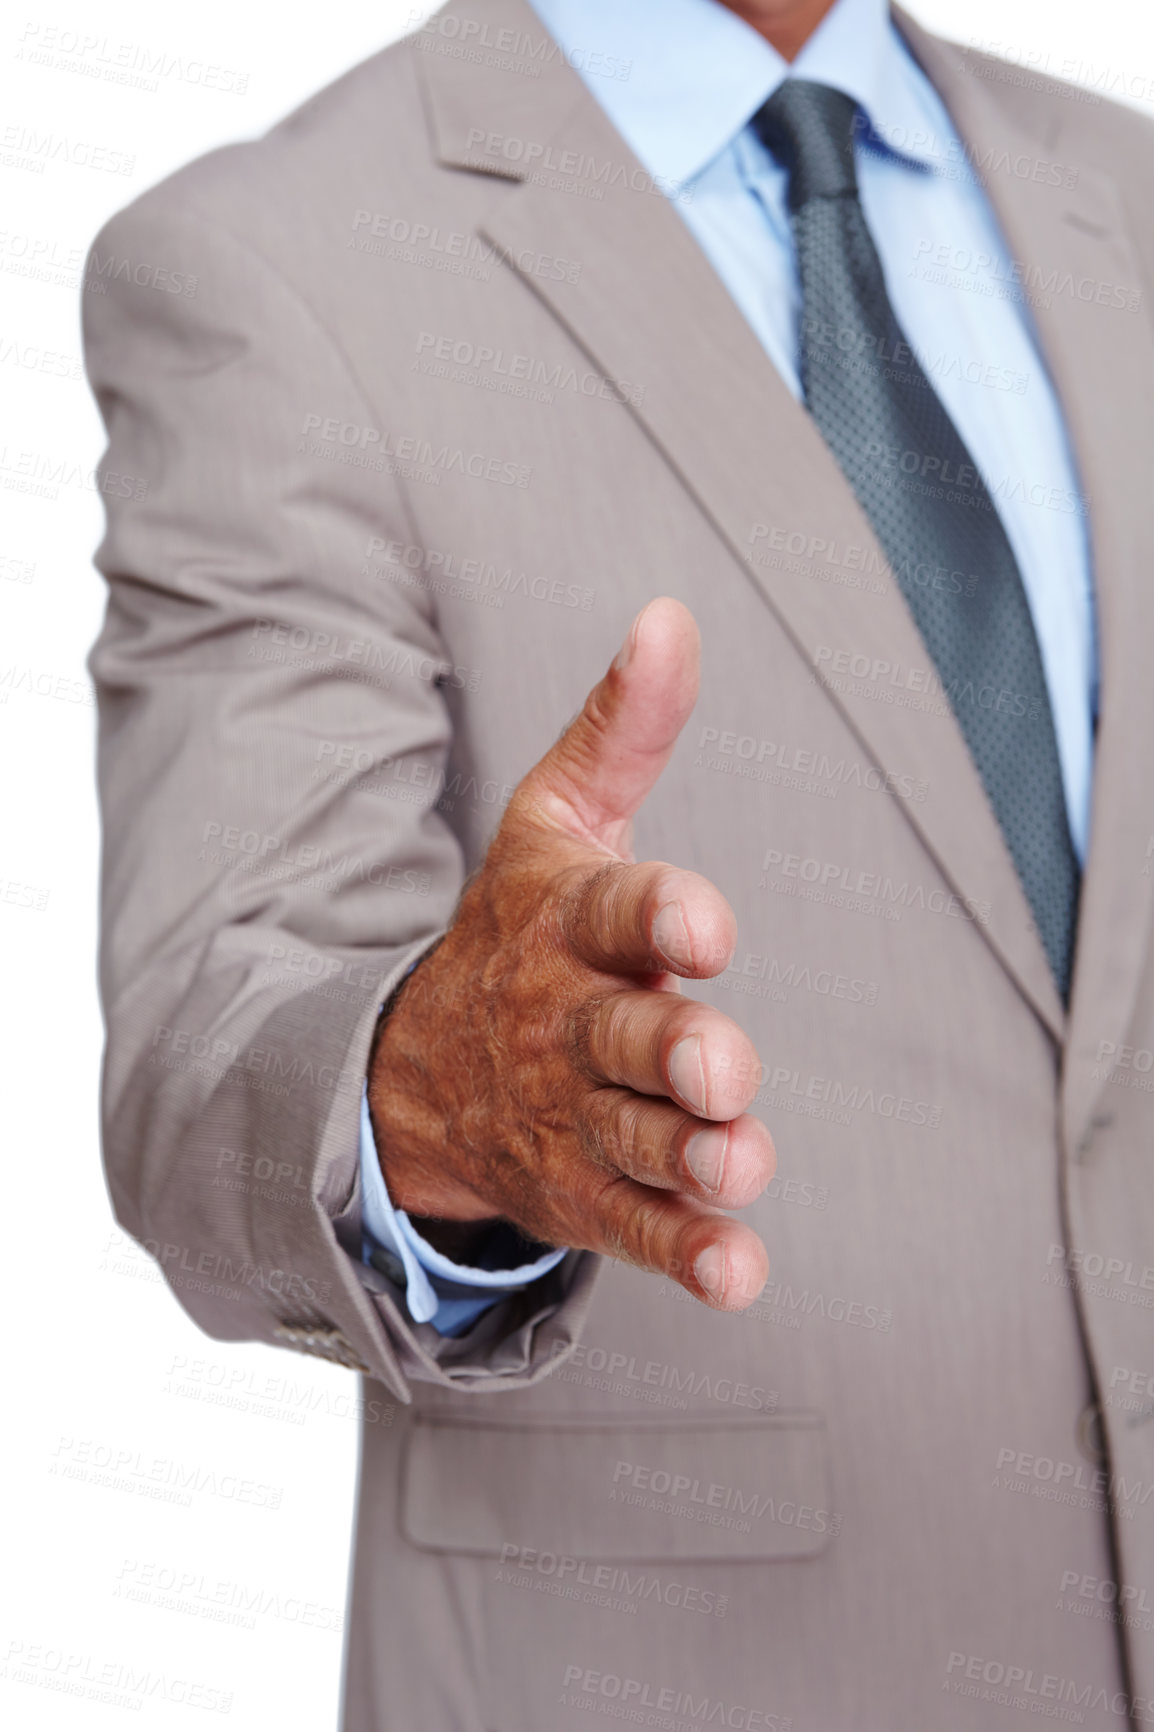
(662, 1044)
(593, 780)
(654, 1142)
(717, 1259)
(623, 919)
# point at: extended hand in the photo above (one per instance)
(541, 1065)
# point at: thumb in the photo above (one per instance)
(595, 778)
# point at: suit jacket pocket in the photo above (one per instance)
(642, 1490)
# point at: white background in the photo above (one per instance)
(95, 1347)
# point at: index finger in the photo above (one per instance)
(652, 917)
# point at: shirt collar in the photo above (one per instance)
(697, 73)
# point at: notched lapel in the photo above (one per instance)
(648, 307)
(1093, 316)
(489, 118)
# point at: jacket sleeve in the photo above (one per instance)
(264, 705)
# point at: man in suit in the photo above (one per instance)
(836, 338)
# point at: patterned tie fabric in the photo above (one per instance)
(929, 507)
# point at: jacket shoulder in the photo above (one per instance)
(1092, 121)
(366, 127)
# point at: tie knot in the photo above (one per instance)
(809, 129)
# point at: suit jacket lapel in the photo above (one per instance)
(1093, 320)
(648, 307)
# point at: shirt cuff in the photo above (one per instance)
(450, 1296)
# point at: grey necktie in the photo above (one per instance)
(929, 507)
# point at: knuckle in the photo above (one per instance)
(588, 1033)
(600, 1134)
(629, 1224)
(596, 712)
(643, 1141)
(648, 1224)
(580, 742)
(586, 901)
(612, 1219)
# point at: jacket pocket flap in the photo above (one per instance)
(645, 1491)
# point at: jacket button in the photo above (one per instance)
(1091, 1440)
(389, 1265)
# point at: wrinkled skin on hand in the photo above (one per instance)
(542, 1065)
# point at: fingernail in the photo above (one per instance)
(710, 1270)
(625, 654)
(705, 1156)
(687, 1073)
(671, 935)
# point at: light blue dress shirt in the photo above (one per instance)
(691, 74)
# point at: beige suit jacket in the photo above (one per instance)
(361, 574)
